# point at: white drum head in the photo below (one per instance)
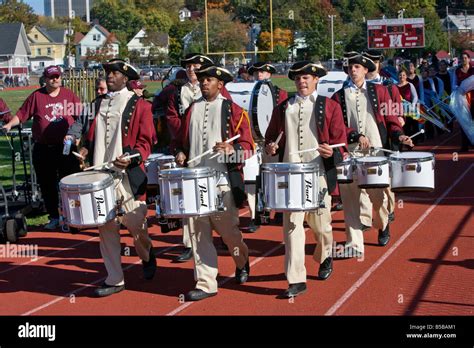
(261, 107)
(85, 178)
(369, 160)
(412, 155)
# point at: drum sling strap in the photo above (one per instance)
(233, 172)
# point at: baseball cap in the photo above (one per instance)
(52, 71)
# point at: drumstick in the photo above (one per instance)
(211, 150)
(78, 155)
(279, 138)
(385, 150)
(110, 162)
(420, 132)
(317, 148)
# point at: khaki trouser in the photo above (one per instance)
(295, 237)
(226, 224)
(366, 205)
(186, 236)
(135, 221)
(351, 197)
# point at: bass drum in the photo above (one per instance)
(259, 99)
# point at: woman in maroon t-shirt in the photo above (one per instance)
(463, 72)
(53, 109)
(408, 94)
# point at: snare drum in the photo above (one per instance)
(187, 192)
(154, 163)
(88, 198)
(412, 171)
(290, 186)
(345, 171)
(373, 172)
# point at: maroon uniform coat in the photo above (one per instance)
(387, 121)
(330, 130)
(137, 137)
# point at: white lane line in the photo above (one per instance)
(60, 298)
(225, 280)
(254, 262)
(47, 255)
(394, 247)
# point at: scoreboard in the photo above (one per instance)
(396, 33)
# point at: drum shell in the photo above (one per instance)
(154, 163)
(345, 171)
(290, 186)
(373, 172)
(413, 174)
(187, 192)
(88, 205)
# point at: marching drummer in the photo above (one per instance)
(374, 76)
(308, 121)
(369, 123)
(175, 100)
(262, 71)
(123, 123)
(208, 122)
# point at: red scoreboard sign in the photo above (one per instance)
(396, 33)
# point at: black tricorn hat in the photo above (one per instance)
(306, 67)
(123, 67)
(196, 58)
(214, 71)
(262, 66)
(362, 60)
(346, 56)
(375, 55)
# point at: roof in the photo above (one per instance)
(53, 35)
(78, 37)
(106, 33)
(462, 22)
(442, 55)
(40, 58)
(9, 38)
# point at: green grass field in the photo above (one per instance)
(15, 98)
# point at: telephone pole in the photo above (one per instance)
(332, 40)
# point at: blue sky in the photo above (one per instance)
(38, 5)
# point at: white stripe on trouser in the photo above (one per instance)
(350, 195)
(226, 224)
(135, 221)
(295, 238)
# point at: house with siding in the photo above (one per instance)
(93, 42)
(48, 47)
(14, 49)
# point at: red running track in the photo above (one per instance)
(425, 270)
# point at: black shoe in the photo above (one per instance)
(107, 290)
(325, 269)
(198, 295)
(186, 255)
(338, 207)
(295, 290)
(241, 275)
(278, 219)
(365, 227)
(252, 227)
(384, 236)
(149, 267)
(391, 217)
